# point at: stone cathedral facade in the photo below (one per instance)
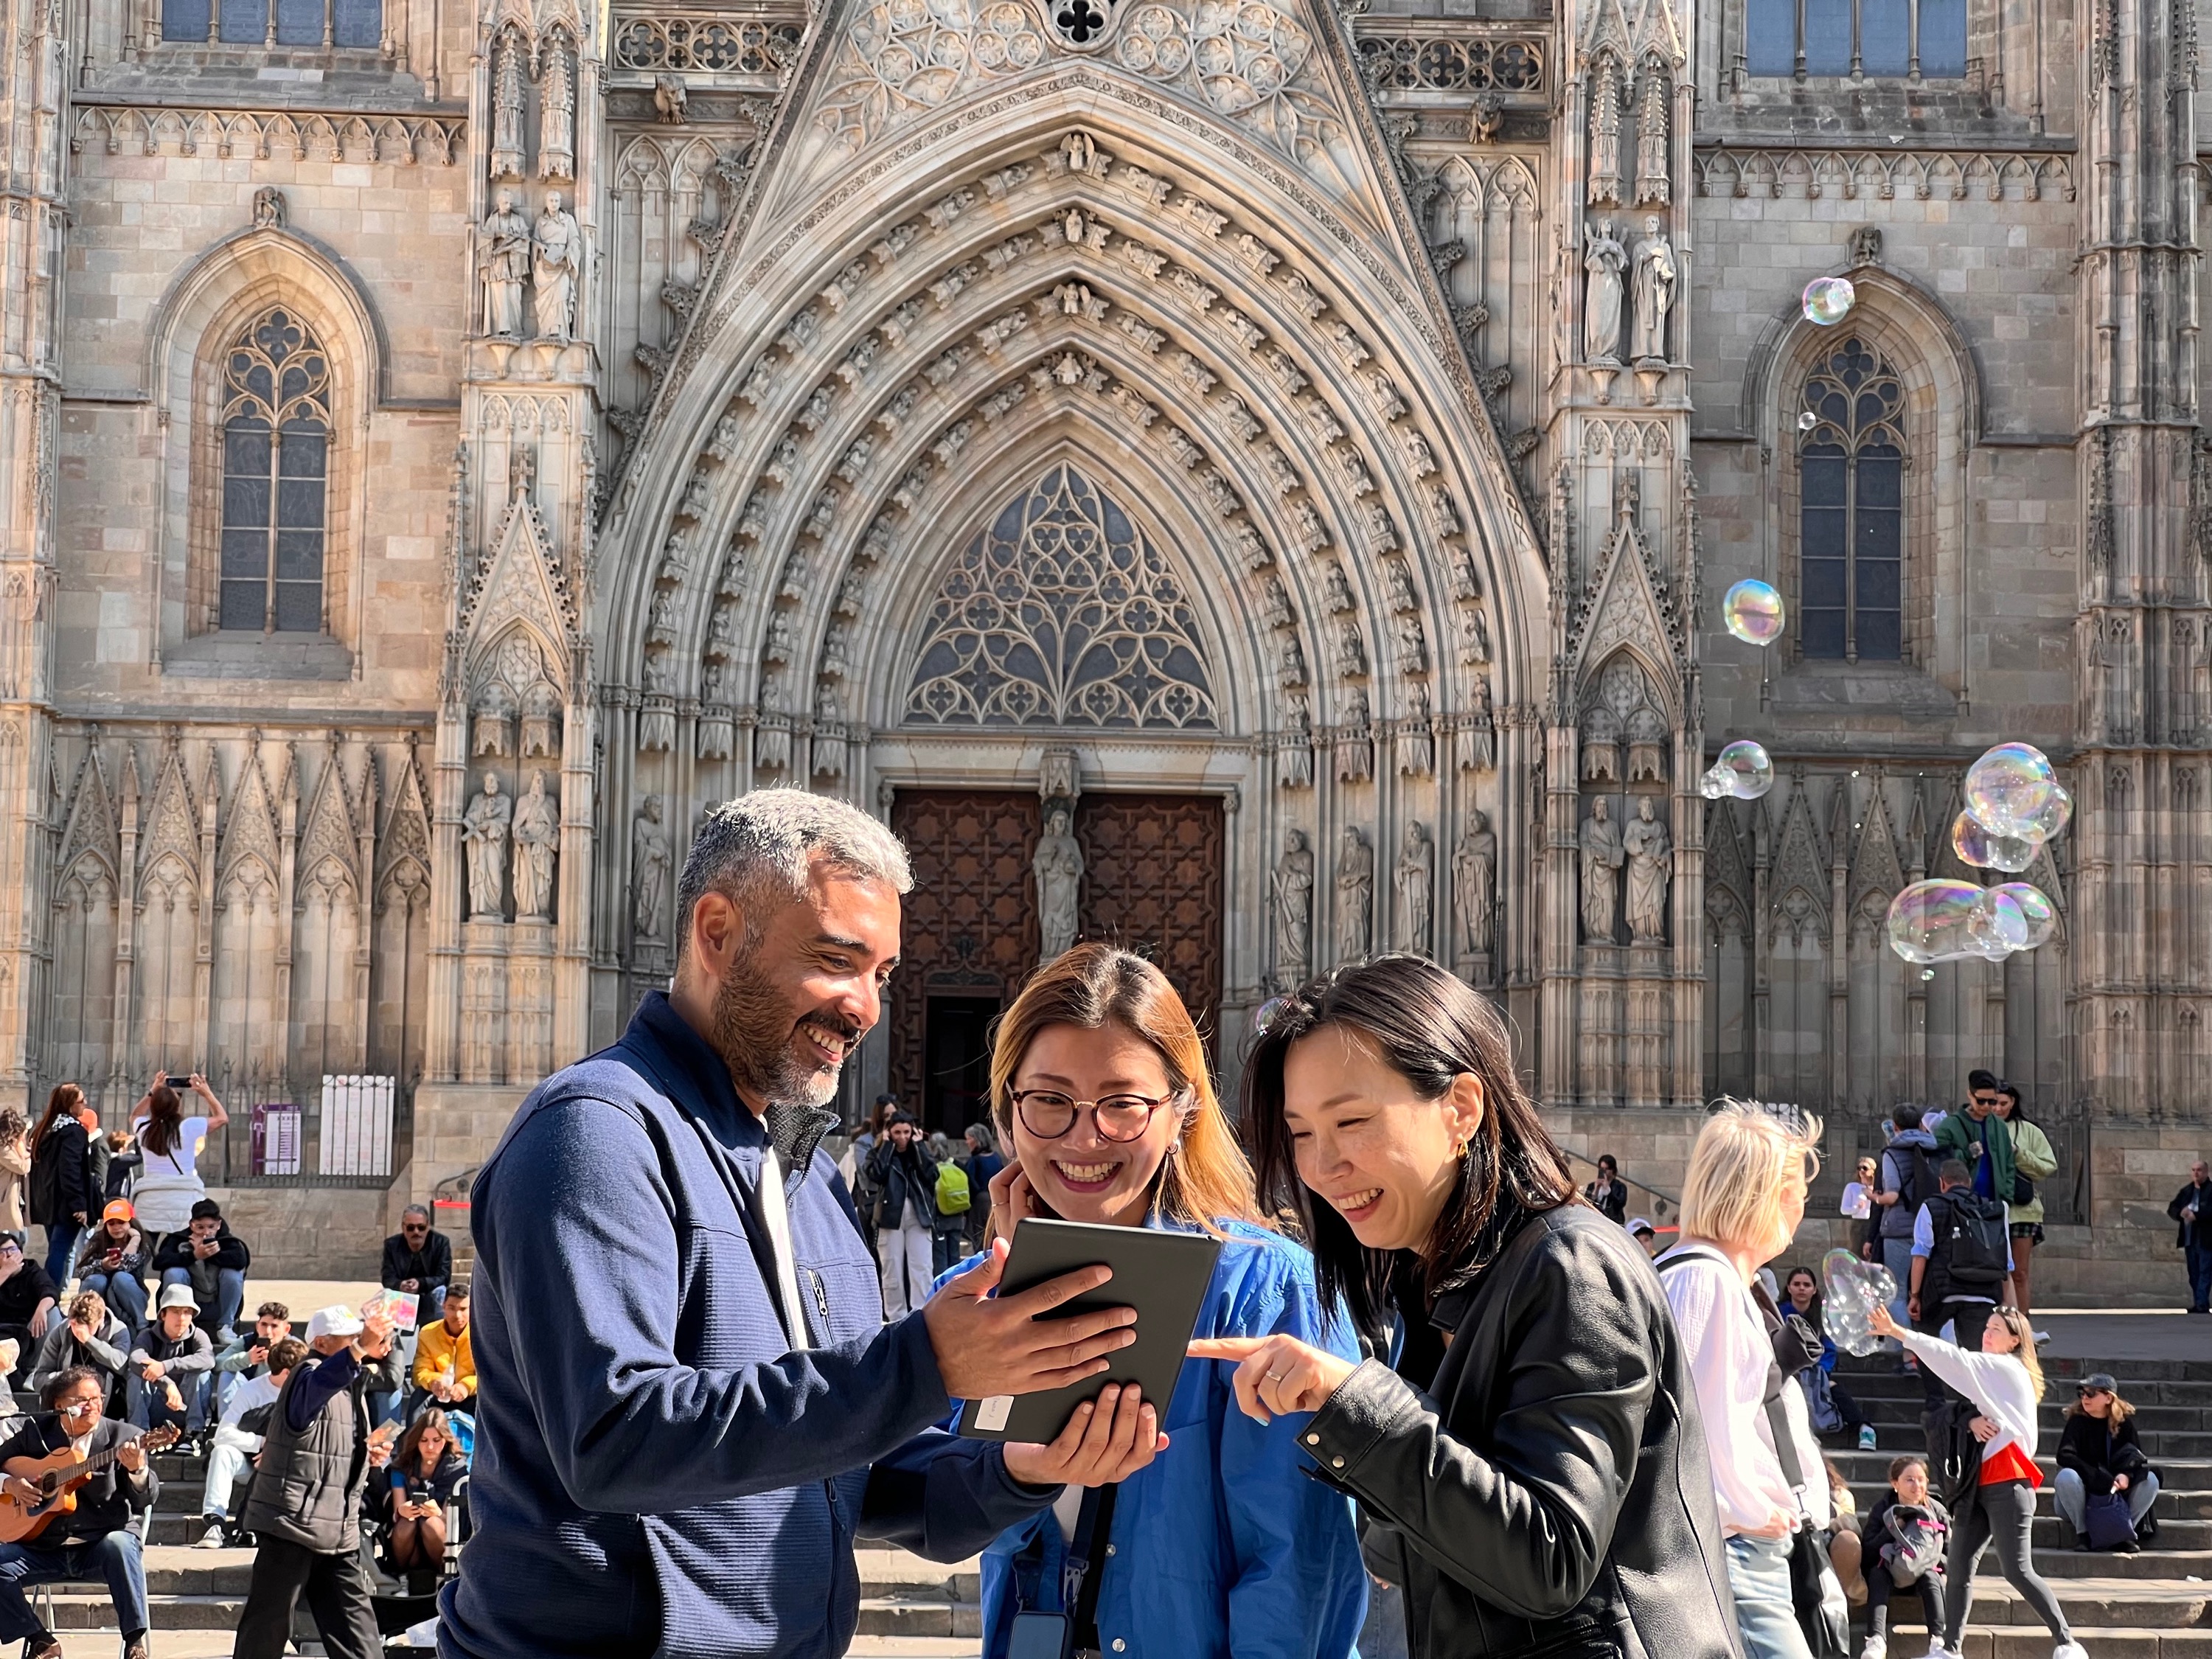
(1249, 477)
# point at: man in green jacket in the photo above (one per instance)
(1978, 1138)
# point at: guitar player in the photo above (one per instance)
(92, 1541)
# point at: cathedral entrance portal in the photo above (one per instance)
(1152, 881)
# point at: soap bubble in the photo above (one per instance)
(1807, 420)
(1977, 847)
(1927, 973)
(2057, 812)
(1752, 611)
(1744, 770)
(1269, 1012)
(1997, 927)
(1712, 783)
(1928, 921)
(1829, 300)
(2009, 788)
(1850, 1290)
(2039, 915)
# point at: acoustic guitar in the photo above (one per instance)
(58, 1475)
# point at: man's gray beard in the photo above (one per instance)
(753, 1032)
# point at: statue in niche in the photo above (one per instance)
(1289, 661)
(1402, 597)
(778, 646)
(1058, 867)
(1474, 638)
(1474, 878)
(648, 870)
(1355, 743)
(1477, 738)
(1414, 877)
(1412, 643)
(1355, 895)
(1294, 887)
(1655, 275)
(269, 208)
(1647, 846)
(558, 246)
(503, 266)
(1351, 650)
(1417, 738)
(541, 722)
(1294, 760)
(1336, 592)
(556, 111)
(507, 158)
(1603, 855)
(1606, 260)
(537, 831)
(484, 836)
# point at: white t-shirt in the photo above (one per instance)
(254, 1391)
(181, 1158)
(1858, 1200)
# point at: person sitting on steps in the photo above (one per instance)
(445, 1369)
(208, 1261)
(114, 1256)
(238, 1436)
(171, 1365)
(2101, 1452)
(413, 1498)
(418, 1260)
(90, 1338)
(247, 1355)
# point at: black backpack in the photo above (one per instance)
(1917, 1181)
(1973, 1241)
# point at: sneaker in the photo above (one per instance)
(2069, 1650)
(2042, 1337)
(1877, 1647)
(1867, 1440)
(212, 1539)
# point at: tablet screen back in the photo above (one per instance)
(1162, 1274)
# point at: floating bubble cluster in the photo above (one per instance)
(1829, 300)
(2010, 790)
(1752, 611)
(2036, 909)
(1743, 770)
(1850, 1290)
(1928, 921)
(2015, 805)
(1977, 847)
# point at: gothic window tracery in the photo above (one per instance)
(1857, 37)
(1061, 613)
(358, 24)
(275, 420)
(1851, 510)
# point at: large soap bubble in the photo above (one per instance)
(1977, 847)
(1928, 921)
(1850, 1290)
(2009, 789)
(1752, 611)
(2057, 812)
(1997, 927)
(1744, 769)
(1829, 300)
(2038, 913)
(1712, 783)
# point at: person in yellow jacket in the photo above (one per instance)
(2032, 1161)
(445, 1370)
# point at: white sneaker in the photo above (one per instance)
(2069, 1650)
(1937, 1651)
(1867, 1442)
(1877, 1647)
(212, 1539)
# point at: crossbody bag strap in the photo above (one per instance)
(1079, 1581)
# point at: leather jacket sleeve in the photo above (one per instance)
(1527, 1523)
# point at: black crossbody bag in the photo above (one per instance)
(1072, 1634)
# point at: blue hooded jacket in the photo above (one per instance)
(656, 1471)
(1225, 1544)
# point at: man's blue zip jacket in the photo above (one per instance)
(656, 1471)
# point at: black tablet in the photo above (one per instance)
(1162, 1274)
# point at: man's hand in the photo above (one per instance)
(1276, 1374)
(1098, 1447)
(153, 1370)
(23, 1492)
(82, 1331)
(1913, 1309)
(131, 1455)
(257, 1354)
(375, 1338)
(176, 1401)
(988, 1346)
(78, 1217)
(409, 1285)
(204, 1248)
(2119, 1483)
(1982, 1430)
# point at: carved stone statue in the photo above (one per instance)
(483, 835)
(1355, 896)
(503, 265)
(1475, 881)
(1656, 274)
(1603, 855)
(1294, 758)
(1294, 887)
(1645, 842)
(1606, 260)
(1474, 637)
(1414, 879)
(537, 831)
(507, 157)
(1058, 867)
(648, 869)
(1412, 643)
(557, 111)
(1478, 735)
(559, 262)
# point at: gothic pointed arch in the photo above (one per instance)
(249, 835)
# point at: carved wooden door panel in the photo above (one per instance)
(969, 930)
(1152, 883)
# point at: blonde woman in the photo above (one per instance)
(1742, 1203)
(2005, 1384)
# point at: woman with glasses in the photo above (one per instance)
(2101, 1452)
(1527, 1459)
(1223, 1545)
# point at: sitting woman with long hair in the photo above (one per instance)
(1528, 1462)
(415, 1494)
(1224, 1544)
(2100, 1453)
(2004, 1381)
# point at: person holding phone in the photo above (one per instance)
(1529, 1460)
(1225, 1545)
(113, 1255)
(415, 1498)
(169, 1138)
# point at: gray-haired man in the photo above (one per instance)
(688, 1405)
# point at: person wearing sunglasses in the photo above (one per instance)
(1224, 1544)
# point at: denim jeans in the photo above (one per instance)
(124, 1296)
(1897, 1256)
(2200, 1278)
(228, 1459)
(115, 1558)
(1759, 1577)
(2070, 1497)
(61, 1249)
(149, 1403)
(229, 1297)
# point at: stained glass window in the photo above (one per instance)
(276, 470)
(1888, 38)
(1850, 558)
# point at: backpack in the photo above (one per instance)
(952, 1195)
(1954, 1469)
(1918, 1538)
(1917, 1181)
(1972, 1239)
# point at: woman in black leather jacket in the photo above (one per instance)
(1529, 1466)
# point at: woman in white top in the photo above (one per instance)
(2005, 1382)
(1741, 1202)
(168, 1182)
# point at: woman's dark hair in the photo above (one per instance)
(63, 1102)
(2019, 1112)
(408, 1454)
(165, 1117)
(1813, 1313)
(1431, 1029)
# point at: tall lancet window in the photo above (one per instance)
(1852, 476)
(276, 472)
